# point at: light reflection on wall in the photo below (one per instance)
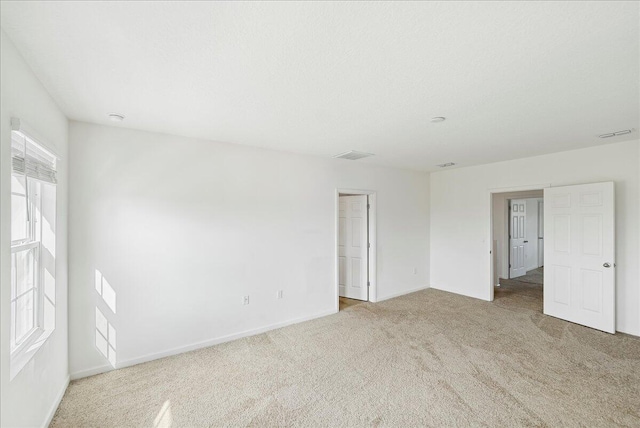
(105, 331)
(105, 338)
(105, 291)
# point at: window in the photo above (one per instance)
(25, 256)
(33, 223)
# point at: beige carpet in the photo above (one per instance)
(521, 294)
(534, 276)
(429, 358)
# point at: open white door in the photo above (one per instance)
(579, 251)
(517, 237)
(353, 245)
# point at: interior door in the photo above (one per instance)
(353, 272)
(517, 237)
(579, 249)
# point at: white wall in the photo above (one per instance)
(460, 217)
(182, 229)
(33, 395)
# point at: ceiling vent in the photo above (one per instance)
(615, 134)
(353, 155)
(446, 165)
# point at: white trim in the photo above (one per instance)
(402, 293)
(19, 358)
(56, 402)
(519, 188)
(373, 260)
(490, 255)
(198, 345)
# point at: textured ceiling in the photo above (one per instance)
(514, 79)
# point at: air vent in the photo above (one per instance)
(353, 155)
(615, 134)
(446, 165)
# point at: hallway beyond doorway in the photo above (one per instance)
(522, 292)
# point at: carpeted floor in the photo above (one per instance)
(429, 358)
(534, 276)
(521, 292)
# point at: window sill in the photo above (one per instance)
(25, 353)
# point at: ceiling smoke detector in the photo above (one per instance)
(115, 117)
(615, 134)
(353, 155)
(446, 165)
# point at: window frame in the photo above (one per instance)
(33, 241)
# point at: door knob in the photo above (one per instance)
(607, 265)
(526, 242)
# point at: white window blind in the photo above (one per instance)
(31, 159)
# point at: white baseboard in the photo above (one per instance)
(402, 293)
(56, 403)
(203, 344)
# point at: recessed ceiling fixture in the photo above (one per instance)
(353, 155)
(438, 119)
(615, 134)
(115, 117)
(445, 165)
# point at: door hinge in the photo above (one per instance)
(368, 206)
(509, 265)
(368, 245)
(368, 284)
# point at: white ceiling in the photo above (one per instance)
(514, 79)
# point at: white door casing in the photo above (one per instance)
(353, 247)
(540, 233)
(579, 250)
(517, 237)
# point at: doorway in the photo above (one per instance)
(526, 236)
(355, 247)
(518, 248)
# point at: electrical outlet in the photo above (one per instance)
(280, 294)
(245, 300)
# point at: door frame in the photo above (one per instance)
(491, 192)
(371, 228)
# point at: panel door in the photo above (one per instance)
(579, 249)
(517, 237)
(353, 272)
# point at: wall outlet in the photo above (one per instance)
(280, 294)
(245, 300)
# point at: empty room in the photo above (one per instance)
(319, 214)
